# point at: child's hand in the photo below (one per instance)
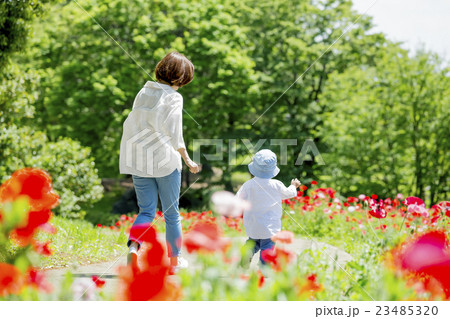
(296, 183)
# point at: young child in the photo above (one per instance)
(263, 219)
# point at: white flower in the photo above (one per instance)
(351, 209)
(84, 289)
(228, 204)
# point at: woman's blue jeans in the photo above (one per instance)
(168, 189)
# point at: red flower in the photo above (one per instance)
(43, 248)
(329, 191)
(374, 196)
(303, 187)
(98, 282)
(429, 248)
(413, 201)
(428, 255)
(277, 257)
(37, 280)
(11, 280)
(283, 236)
(377, 209)
(142, 232)
(205, 237)
(149, 281)
(23, 235)
(261, 279)
(311, 286)
(352, 199)
(313, 183)
(440, 271)
(395, 203)
(34, 183)
(443, 207)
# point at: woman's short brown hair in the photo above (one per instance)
(175, 69)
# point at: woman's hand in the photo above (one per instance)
(296, 183)
(194, 168)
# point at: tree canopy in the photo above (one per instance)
(300, 70)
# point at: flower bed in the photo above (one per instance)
(399, 247)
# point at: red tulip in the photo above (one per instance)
(205, 237)
(311, 286)
(98, 281)
(277, 257)
(34, 183)
(24, 235)
(43, 248)
(142, 233)
(283, 236)
(261, 279)
(37, 280)
(352, 199)
(11, 280)
(428, 255)
(413, 201)
(149, 281)
(377, 209)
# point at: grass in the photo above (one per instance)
(80, 242)
(101, 211)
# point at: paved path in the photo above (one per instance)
(107, 270)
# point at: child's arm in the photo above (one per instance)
(291, 191)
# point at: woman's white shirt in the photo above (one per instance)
(153, 132)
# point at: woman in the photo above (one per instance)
(151, 150)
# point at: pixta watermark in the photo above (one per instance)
(228, 149)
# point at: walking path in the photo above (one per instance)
(107, 270)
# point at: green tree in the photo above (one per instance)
(18, 87)
(21, 145)
(246, 54)
(15, 25)
(386, 125)
(70, 164)
(304, 41)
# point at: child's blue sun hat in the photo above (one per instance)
(264, 164)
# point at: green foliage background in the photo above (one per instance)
(378, 115)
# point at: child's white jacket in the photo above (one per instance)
(263, 219)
